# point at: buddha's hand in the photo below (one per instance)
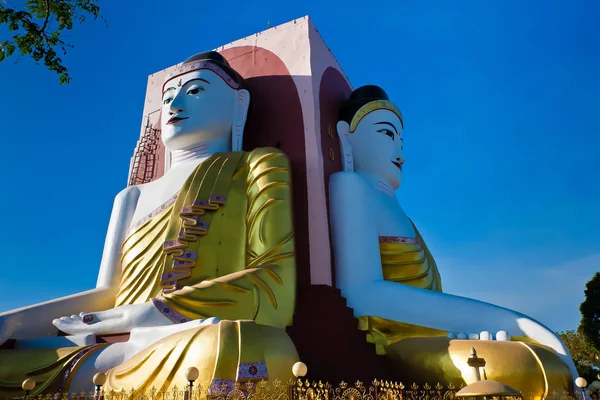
(502, 336)
(117, 320)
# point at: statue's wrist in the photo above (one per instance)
(168, 312)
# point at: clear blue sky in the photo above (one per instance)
(501, 104)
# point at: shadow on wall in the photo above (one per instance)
(275, 120)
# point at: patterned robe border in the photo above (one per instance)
(168, 312)
(73, 365)
(398, 239)
(220, 387)
(256, 370)
(153, 214)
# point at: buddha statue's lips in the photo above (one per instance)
(174, 120)
(397, 164)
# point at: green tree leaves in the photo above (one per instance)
(590, 312)
(585, 356)
(36, 29)
(584, 344)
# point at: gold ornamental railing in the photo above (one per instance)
(290, 390)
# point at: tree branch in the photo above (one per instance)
(36, 34)
(47, 17)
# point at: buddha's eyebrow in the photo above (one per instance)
(386, 123)
(191, 80)
(197, 79)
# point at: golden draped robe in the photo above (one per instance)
(426, 355)
(222, 247)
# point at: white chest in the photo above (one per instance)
(155, 194)
(391, 219)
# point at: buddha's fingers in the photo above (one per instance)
(502, 336)
(104, 316)
(210, 321)
(485, 335)
(70, 325)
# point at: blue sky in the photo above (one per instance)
(500, 102)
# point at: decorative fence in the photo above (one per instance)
(291, 390)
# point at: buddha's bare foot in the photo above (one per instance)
(117, 320)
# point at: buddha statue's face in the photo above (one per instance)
(198, 107)
(377, 146)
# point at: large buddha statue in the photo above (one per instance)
(390, 279)
(198, 266)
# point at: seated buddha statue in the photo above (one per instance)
(198, 266)
(389, 277)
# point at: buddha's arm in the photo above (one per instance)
(360, 278)
(120, 220)
(36, 320)
(265, 290)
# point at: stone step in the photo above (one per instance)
(328, 340)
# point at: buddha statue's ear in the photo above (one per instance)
(242, 103)
(343, 130)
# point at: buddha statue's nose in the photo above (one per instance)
(175, 109)
(176, 104)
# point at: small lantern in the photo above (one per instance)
(28, 385)
(299, 369)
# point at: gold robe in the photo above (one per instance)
(426, 355)
(222, 247)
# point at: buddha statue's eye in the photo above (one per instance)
(167, 100)
(387, 132)
(195, 90)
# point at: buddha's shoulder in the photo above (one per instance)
(128, 194)
(265, 157)
(347, 181)
(266, 154)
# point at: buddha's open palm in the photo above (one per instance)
(117, 320)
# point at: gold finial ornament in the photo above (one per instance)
(475, 362)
